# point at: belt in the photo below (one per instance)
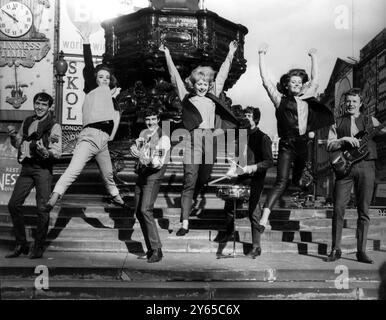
(105, 126)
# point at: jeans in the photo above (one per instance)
(145, 195)
(291, 150)
(31, 176)
(254, 212)
(198, 165)
(362, 177)
(91, 143)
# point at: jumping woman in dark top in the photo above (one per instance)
(297, 113)
(100, 121)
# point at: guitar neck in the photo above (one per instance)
(365, 140)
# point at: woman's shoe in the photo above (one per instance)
(118, 201)
(260, 228)
(51, 201)
(182, 232)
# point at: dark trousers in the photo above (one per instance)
(362, 177)
(291, 151)
(31, 176)
(146, 192)
(254, 212)
(198, 165)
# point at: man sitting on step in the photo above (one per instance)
(39, 142)
(258, 153)
(151, 149)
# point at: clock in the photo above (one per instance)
(15, 19)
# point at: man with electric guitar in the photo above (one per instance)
(151, 149)
(354, 151)
(39, 143)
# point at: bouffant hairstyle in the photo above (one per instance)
(113, 80)
(255, 113)
(201, 73)
(282, 85)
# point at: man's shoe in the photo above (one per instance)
(334, 255)
(156, 256)
(363, 257)
(255, 252)
(145, 256)
(36, 253)
(223, 237)
(182, 232)
(19, 249)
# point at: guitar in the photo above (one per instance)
(344, 160)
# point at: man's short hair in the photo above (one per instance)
(354, 92)
(255, 113)
(44, 97)
(151, 111)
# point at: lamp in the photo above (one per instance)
(61, 67)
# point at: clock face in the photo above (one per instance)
(15, 19)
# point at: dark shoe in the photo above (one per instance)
(19, 249)
(37, 252)
(260, 228)
(182, 232)
(118, 201)
(363, 257)
(223, 237)
(156, 256)
(145, 256)
(51, 202)
(334, 255)
(255, 252)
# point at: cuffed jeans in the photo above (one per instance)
(254, 212)
(31, 176)
(362, 177)
(146, 192)
(91, 143)
(291, 150)
(198, 165)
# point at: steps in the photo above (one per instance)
(87, 223)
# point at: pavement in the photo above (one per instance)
(195, 266)
(187, 276)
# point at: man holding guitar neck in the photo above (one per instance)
(344, 136)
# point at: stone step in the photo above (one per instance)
(179, 290)
(170, 205)
(169, 218)
(198, 229)
(313, 224)
(187, 245)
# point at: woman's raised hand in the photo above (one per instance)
(163, 48)
(263, 48)
(312, 52)
(85, 31)
(233, 45)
